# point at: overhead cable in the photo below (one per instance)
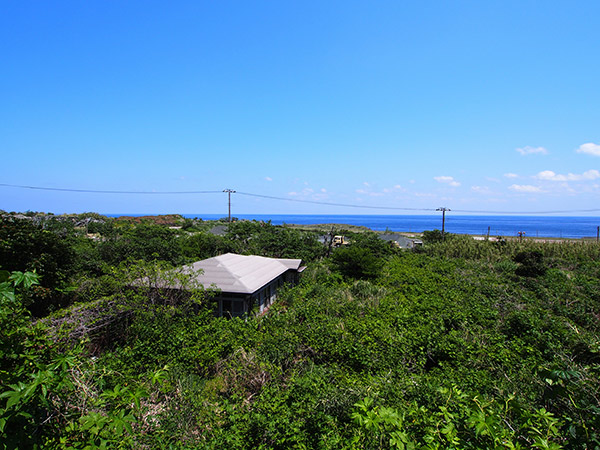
(93, 191)
(314, 202)
(524, 213)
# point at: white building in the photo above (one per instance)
(245, 282)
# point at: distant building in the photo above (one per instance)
(398, 240)
(245, 282)
(218, 230)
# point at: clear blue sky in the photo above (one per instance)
(478, 105)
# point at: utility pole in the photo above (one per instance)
(443, 210)
(229, 192)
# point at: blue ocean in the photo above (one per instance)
(533, 226)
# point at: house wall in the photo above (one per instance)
(237, 305)
(232, 305)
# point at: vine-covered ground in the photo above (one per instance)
(459, 344)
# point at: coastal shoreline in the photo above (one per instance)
(540, 229)
(340, 228)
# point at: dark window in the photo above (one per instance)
(232, 308)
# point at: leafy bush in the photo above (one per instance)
(27, 247)
(356, 262)
(265, 239)
(203, 245)
(435, 236)
(531, 263)
(141, 242)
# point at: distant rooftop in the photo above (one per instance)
(402, 241)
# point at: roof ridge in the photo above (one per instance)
(229, 271)
(244, 273)
(262, 258)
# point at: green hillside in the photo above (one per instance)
(459, 344)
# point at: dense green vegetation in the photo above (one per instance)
(457, 344)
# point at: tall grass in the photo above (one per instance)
(456, 246)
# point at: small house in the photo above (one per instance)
(245, 282)
(400, 241)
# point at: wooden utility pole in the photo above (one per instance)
(229, 192)
(443, 210)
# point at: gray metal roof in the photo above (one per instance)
(402, 241)
(241, 274)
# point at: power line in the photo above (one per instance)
(314, 202)
(229, 191)
(524, 213)
(93, 191)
